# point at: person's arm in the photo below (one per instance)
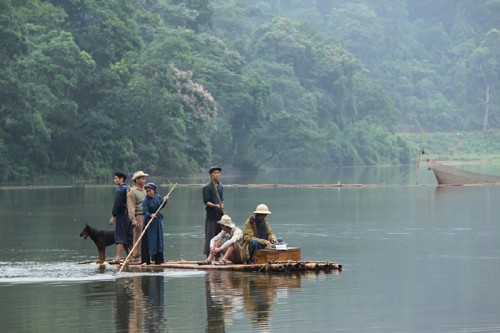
(131, 202)
(117, 203)
(216, 238)
(248, 233)
(145, 210)
(236, 237)
(270, 235)
(207, 196)
(116, 206)
(164, 201)
(220, 196)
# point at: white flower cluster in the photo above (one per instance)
(195, 97)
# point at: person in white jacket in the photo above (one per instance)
(227, 244)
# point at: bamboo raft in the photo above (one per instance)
(271, 266)
(266, 260)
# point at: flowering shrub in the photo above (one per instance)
(195, 97)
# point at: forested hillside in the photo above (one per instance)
(88, 87)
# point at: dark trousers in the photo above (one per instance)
(212, 229)
(145, 257)
(158, 258)
(255, 245)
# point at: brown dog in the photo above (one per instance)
(101, 238)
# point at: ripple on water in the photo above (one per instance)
(64, 272)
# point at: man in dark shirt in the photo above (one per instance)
(213, 198)
(119, 217)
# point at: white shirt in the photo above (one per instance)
(229, 238)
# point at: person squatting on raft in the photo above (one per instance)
(119, 217)
(226, 243)
(257, 233)
(213, 198)
(135, 197)
(152, 241)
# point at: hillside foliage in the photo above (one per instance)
(88, 87)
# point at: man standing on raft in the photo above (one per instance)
(135, 197)
(213, 198)
(119, 217)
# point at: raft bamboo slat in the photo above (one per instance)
(271, 266)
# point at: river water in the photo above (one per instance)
(416, 259)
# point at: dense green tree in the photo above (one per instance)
(234, 23)
(195, 15)
(333, 70)
(359, 29)
(372, 103)
(290, 139)
(38, 111)
(106, 29)
(12, 32)
(286, 42)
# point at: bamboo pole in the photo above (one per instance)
(218, 198)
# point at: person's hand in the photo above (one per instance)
(268, 242)
(153, 216)
(112, 220)
(215, 250)
(274, 241)
(134, 222)
(166, 198)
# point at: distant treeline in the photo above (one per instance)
(88, 87)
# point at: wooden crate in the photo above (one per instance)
(264, 255)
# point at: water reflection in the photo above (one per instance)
(453, 194)
(255, 294)
(447, 190)
(138, 306)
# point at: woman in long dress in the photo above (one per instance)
(154, 236)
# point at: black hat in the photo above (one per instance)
(150, 186)
(212, 169)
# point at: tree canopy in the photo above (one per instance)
(88, 87)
